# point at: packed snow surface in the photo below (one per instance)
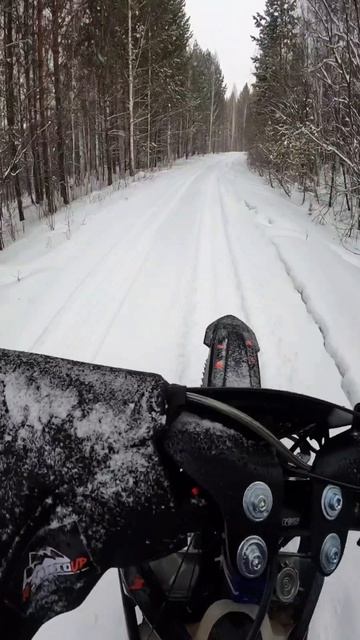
(132, 280)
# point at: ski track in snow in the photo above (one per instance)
(138, 284)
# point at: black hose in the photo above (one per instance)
(265, 600)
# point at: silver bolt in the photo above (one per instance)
(336, 503)
(258, 501)
(256, 561)
(261, 504)
(330, 553)
(331, 502)
(252, 557)
(334, 556)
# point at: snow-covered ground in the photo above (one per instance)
(141, 275)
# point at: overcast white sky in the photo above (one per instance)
(225, 26)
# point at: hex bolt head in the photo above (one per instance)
(330, 553)
(257, 501)
(252, 557)
(331, 502)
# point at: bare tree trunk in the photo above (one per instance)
(21, 109)
(72, 94)
(212, 111)
(10, 100)
(243, 128)
(168, 139)
(97, 143)
(349, 208)
(180, 142)
(233, 124)
(107, 140)
(333, 174)
(35, 79)
(30, 96)
(191, 142)
(58, 103)
(43, 122)
(149, 106)
(131, 94)
(1, 227)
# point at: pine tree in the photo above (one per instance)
(243, 114)
(276, 42)
(206, 92)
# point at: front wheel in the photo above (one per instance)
(233, 626)
(226, 620)
(233, 355)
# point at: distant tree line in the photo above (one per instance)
(91, 91)
(303, 126)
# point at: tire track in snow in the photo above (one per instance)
(290, 341)
(190, 287)
(213, 285)
(105, 257)
(124, 247)
(233, 262)
(317, 319)
(167, 213)
(207, 295)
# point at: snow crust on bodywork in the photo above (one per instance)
(83, 433)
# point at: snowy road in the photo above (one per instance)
(148, 268)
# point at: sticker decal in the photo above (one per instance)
(46, 563)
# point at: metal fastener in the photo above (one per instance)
(252, 557)
(331, 502)
(330, 553)
(287, 584)
(258, 501)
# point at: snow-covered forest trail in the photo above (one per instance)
(137, 285)
(150, 268)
